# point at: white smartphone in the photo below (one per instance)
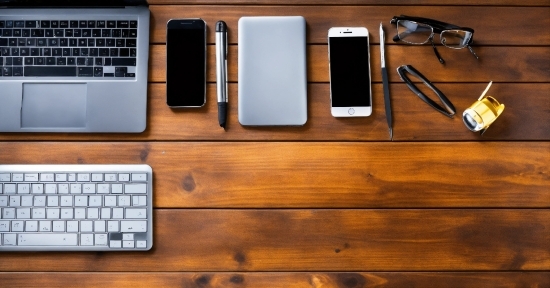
(349, 70)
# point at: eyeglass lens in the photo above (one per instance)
(413, 32)
(418, 33)
(455, 38)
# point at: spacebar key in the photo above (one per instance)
(47, 239)
(49, 71)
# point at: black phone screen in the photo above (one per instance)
(186, 63)
(349, 71)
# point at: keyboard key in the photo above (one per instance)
(85, 71)
(58, 226)
(139, 177)
(101, 239)
(30, 24)
(136, 213)
(98, 71)
(120, 71)
(50, 71)
(18, 71)
(41, 239)
(10, 239)
(60, 177)
(133, 226)
(115, 244)
(7, 71)
(135, 188)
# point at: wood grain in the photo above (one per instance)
(486, 21)
(523, 64)
(280, 279)
(321, 175)
(333, 203)
(322, 240)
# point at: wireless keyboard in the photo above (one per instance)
(76, 207)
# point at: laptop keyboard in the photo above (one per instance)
(68, 48)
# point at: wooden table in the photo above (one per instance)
(334, 203)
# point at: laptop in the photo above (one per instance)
(73, 65)
(272, 71)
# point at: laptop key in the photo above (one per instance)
(19, 24)
(124, 61)
(6, 71)
(120, 71)
(18, 71)
(50, 71)
(30, 24)
(98, 71)
(85, 71)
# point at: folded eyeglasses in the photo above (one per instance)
(418, 31)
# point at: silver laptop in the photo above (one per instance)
(73, 65)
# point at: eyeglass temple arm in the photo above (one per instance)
(472, 51)
(450, 108)
(436, 52)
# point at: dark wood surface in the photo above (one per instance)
(334, 203)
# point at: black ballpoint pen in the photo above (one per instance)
(221, 71)
(387, 103)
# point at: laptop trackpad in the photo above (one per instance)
(60, 105)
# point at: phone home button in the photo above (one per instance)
(351, 111)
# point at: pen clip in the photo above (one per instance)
(382, 42)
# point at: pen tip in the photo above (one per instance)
(391, 134)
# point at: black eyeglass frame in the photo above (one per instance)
(437, 27)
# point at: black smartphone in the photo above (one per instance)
(186, 63)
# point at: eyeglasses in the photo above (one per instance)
(418, 31)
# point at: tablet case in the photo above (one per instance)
(272, 71)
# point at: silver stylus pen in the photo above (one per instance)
(221, 71)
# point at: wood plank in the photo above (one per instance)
(523, 64)
(322, 240)
(320, 18)
(355, 2)
(321, 175)
(413, 119)
(278, 279)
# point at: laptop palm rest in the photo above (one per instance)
(59, 105)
